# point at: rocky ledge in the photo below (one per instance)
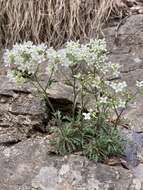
(28, 166)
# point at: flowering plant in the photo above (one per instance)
(93, 80)
(93, 75)
(25, 61)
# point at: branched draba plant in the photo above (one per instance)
(92, 130)
(25, 61)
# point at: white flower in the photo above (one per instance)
(139, 84)
(115, 69)
(103, 100)
(87, 116)
(118, 87)
(73, 52)
(121, 104)
(96, 82)
(98, 45)
(111, 69)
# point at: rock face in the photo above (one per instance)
(25, 162)
(20, 111)
(126, 48)
(27, 166)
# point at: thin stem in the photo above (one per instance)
(82, 99)
(117, 114)
(74, 97)
(51, 75)
(74, 94)
(82, 106)
(45, 94)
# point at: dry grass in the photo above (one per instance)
(53, 21)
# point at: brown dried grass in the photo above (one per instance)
(53, 21)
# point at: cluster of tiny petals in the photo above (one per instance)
(87, 116)
(93, 53)
(114, 68)
(75, 53)
(25, 56)
(96, 82)
(118, 87)
(120, 103)
(139, 84)
(103, 100)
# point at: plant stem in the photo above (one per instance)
(74, 94)
(74, 98)
(51, 75)
(45, 94)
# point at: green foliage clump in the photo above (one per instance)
(67, 140)
(104, 144)
(97, 144)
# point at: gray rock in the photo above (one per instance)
(133, 147)
(22, 112)
(128, 52)
(27, 165)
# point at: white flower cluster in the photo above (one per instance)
(87, 116)
(103, 100)
(120, 103)
(115, 67)
(112, 68)
(26, 56)
(139, 84)
(74, 53)
(96, 82)
(118, 87)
